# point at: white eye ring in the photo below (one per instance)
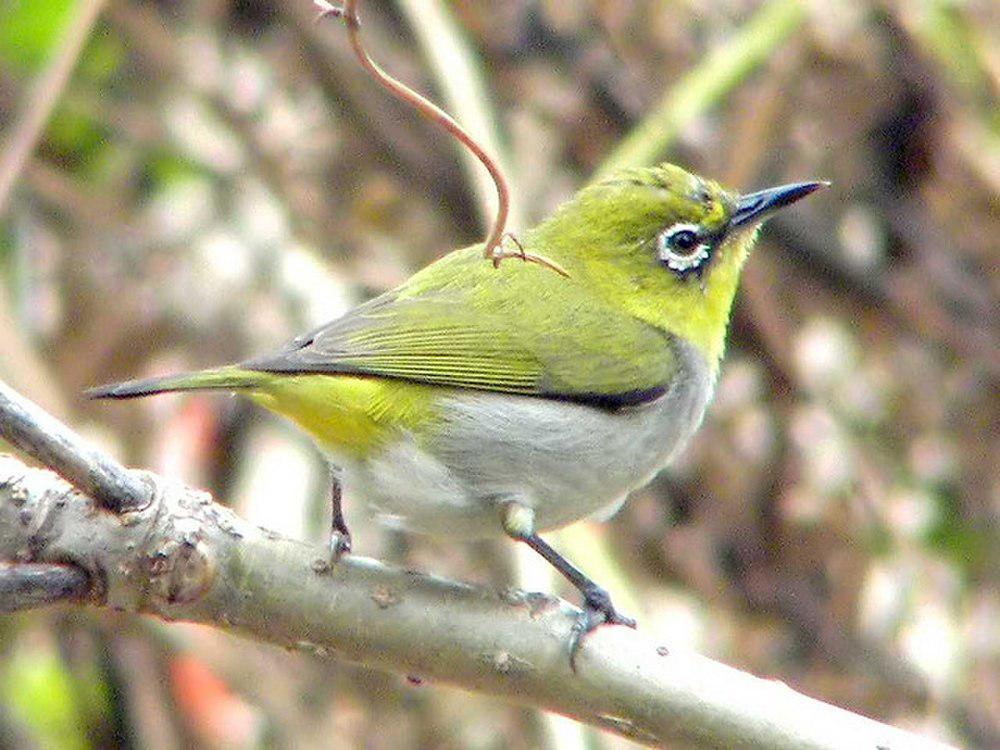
(676, 247)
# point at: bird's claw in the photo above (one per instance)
(340, 545)
(597, 610)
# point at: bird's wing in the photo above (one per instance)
(531, 341)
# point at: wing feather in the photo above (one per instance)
(562, 344)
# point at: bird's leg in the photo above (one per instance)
(340, 537)
(519, 523)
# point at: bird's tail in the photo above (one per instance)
(218, 379)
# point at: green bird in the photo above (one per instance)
(472, 400)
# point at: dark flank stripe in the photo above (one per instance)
(610, 401)
(603, 401)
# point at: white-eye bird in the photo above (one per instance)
(474, 400)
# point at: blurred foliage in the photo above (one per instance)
(219, 175)
(30, 31)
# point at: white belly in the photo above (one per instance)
(565, 460)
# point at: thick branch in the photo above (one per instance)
(183, 557)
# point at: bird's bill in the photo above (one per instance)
(755, 207)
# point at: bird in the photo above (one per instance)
(475, 401)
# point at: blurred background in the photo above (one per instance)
(215, 176)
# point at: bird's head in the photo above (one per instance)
(666, 245)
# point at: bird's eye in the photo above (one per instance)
(682, 248)
(683, 240)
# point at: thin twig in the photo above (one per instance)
(493, 249)
(30, 585)
(457, 73)
(46, 439)
(37, 109)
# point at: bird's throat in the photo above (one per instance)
(697, 309)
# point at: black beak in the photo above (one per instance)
(758, 206)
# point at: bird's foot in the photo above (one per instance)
(340, 545)
(597, 610)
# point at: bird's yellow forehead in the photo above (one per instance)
(685, 196)
(714, 203)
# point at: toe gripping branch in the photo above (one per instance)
(598, 609)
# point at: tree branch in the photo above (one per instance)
(184, 557)
(48, 440)
(29, 585)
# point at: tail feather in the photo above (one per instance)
(219, 379)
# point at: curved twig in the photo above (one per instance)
(493, 247)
